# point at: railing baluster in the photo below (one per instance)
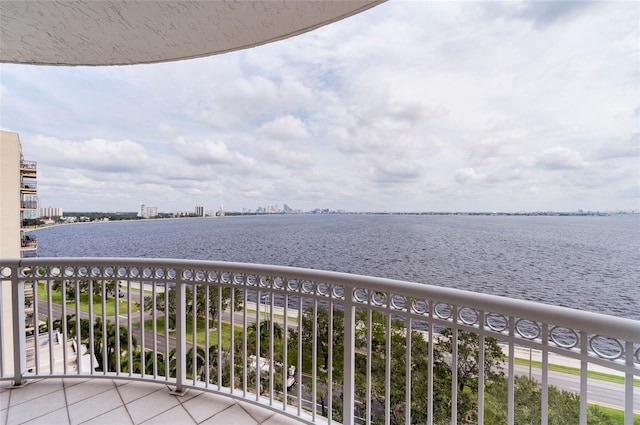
(244, 341)
(63, 321)
(232, 343)
(143, 346)
(194, 334)
(299, 371)
(207, 342)
(36, 326)
(271, 344)
(130, 324)
(545, 375)
(583, 377)
(285, 362)
(387, 369)
(154, 326)
(407, 377)
(348, 407)
(181, 345)
(330, 365)
(19, 342)
(78, 333)
(116, 301)
(105, 334)
(481, 371)
(369, 357)
(220, 337)
(314, 361)
(167, 318)
(454, 367)
(50, 326)
(628, 384)
(430, 372)
(258, 370)
(511, 380)
(90, 350)
(3, 312)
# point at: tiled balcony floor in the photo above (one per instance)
(107, 401)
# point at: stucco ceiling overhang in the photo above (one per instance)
(130, 32)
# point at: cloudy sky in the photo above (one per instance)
(410, 106)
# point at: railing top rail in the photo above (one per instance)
(610, 326)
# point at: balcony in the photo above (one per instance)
(29, 186)
(28, 168)
(311, 346)
(29, 205)
(29, 223)
(29, 242)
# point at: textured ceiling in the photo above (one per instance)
(128, 32)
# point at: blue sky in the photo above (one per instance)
(410, 106)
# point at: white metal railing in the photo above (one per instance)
(315, 345)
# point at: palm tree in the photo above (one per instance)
(110, 344)
(265, 335)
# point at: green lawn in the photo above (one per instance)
(200, 331)
(56, 298)
(575, 371)
(617, 416)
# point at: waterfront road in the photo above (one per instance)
(599, 392)
(604, 393)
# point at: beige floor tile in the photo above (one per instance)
(59, 416)
(3, 416)
(175, 416)
(118, 416)
(4, 399)
(135, 390)
(278, 419)
(191, 393)
(233, 415)
(206, 405)
(70, 382)
(95, 406)
(36, 407)
(34, 390)
(258, 413)
(151, 405)
(87, 389)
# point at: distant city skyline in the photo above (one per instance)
(409, 106)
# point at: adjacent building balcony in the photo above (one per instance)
(28, 169)
(29, 205)
(135, 340)
(29, 186)
(29, 241)
(29, 223)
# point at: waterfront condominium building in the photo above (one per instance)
(51, 212)
(18, 207)
(199, 211)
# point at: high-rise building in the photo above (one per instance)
(151, 212)
(199, 211)
(18, 207)
(142, 212)
(50, 212)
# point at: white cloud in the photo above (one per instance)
(468, 175)
(284, 128)
(560, 158)
(211, 153)
(94, 154)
